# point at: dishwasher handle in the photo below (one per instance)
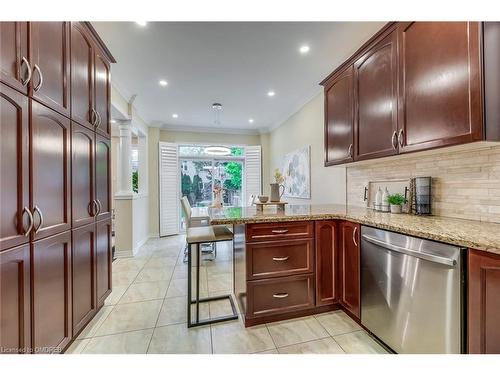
(417, 254)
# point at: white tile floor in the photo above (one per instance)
(146, 313)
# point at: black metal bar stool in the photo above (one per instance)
(194, 238)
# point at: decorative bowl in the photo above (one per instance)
(263, 198)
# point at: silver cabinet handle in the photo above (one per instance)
(30, 217)
(92, 116)
(280, 295)
(28, 68)
(92, 208)
(40, 75)
(349, 151)
(354, 236)
(394, 140)
(99, 119)
(99, 207)
(37, 209)
(280, 259)
(400, 137)
(280, 231)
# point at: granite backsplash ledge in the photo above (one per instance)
(466, 183)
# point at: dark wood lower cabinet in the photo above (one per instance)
(83, 259)
(484, 302)
(51, 289)
(326, 262)
(104, 258)
(349, 253)
(15, 300)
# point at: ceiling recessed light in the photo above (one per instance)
(271, 93)
(141, 23)
(250, 120)
(304, 49)
(175, 115)
(162, 82)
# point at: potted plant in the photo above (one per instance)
(396, 202)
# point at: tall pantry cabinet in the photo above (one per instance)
(55, 237)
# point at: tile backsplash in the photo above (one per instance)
(466, 182)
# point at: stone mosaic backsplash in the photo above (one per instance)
(466, 182)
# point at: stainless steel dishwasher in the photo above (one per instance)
(412, 292)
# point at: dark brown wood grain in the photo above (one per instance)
(349, 253)
(14, 42)
(103, 176)
(103, 260)
(279, 231)
(326, 245)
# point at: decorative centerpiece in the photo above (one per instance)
(218, 193)
(396, 202)
(279, 179)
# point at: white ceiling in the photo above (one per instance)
(233, 63)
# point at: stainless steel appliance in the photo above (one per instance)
(412, 292)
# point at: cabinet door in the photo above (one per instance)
(326, 262)
(103, 260)
(82, 175)
(440, 84)
(14, 168)
(349, 263)
(375, 98)
(15, 330)
(82, 55)
(50, 169)
(83, 258)
(51, 270)
(102, 89)
(484, 302)
(14, 58)
(50, 57)
(102, 176)
(339, 119)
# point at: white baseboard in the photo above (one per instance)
(124, 253)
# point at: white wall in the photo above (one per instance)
(306, 127)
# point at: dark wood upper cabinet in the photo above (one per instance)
(375, 98)
(102, 92)
(484, 303)
(84, 207)
(83, 258)
(50, 59)
(15, 300)
(82, 57)
(440, 84)
(14, 168)
(51, 288)
(102, 177)
(50, 171)
(326, 262)
(14, 58)
(349, 267)
(339, 133)
(104, 260)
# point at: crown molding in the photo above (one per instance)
(203, 129)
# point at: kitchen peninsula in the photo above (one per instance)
(306, 260)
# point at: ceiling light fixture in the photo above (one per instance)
(271, 93)
(162, 82)
(304, 49)
(250, 120)
(141, 23)
(175, 115)
(217, 150)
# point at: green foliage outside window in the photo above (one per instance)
(135, 181)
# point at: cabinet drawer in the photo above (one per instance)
(279, 231)
(279, 258)
(280, 295)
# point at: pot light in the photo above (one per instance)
(162, 82)
(250, 120)
(217, 150)
(304, 49)
(141, 23)
(175, 115)
(271, 93)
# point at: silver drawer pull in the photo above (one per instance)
(28, 70)
(280, 295)
(279, 231)
(280, 259)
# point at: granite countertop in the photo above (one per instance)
(467, 233)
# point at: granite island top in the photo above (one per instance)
(467, 233)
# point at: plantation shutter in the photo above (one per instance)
(253, 172)
(169, 185)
